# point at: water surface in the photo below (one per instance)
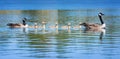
(30, 43)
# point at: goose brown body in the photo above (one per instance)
(95, 25)
(14, 25)
(17, 25)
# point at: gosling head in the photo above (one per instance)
(35, 24)
(43, 22)
(56, 24)
(69, 24)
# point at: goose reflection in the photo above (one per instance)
(25, 30)
(101, 31)
(102, 34)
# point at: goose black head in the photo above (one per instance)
(24, 21)
(24, 18)
(100, 14)
(69, 24)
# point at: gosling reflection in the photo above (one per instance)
(69, 31)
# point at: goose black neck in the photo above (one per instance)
(100, 17)
(24, 22)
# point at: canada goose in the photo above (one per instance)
(35, 26)
(18, 25)
(95, 26)
(56, 25)
(67, 27)
(43, 25)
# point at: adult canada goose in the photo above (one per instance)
(95, 26)
(18, 25)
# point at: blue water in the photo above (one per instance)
(57, 4)
(31, 43)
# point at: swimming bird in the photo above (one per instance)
(18, 25)
(89, 26)
(36, 25)
(43, 25)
